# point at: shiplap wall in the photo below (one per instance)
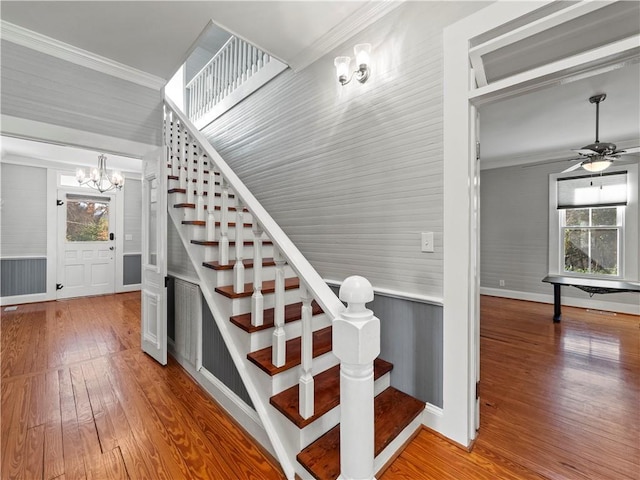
(43, 88)
(353, 174)
(514, 241)
(23, 227)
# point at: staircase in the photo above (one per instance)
(274, 311)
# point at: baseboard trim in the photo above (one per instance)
(591, 303)
(21, 299)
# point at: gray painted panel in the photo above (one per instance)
(216, 358)
(132, 269)
(411, 337)
(23, 276)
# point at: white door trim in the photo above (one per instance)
(460, 293)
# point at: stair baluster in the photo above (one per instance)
(199, 154)
(179, 140)
(191, 166)
(279, 337)
(257, 300)
(223, 247)
(238, 268)
(211, 205)
(306, 382)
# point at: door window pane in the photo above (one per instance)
(152, 241)
(87, 219)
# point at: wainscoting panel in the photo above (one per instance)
(188, 318)
(411, 338)
(23, 276)
(132, 271)
(216, 358)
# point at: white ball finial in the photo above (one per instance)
(356, 290)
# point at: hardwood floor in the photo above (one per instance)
(80, 400)
(558, 401)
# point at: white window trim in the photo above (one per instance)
(628, 245)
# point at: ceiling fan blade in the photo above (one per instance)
(627, 151)
(585, 151)
(572, 167)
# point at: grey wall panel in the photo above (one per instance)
(132, 194)
(23, 222)
(216, 358)
(43, 88)
(411, 337)
(353, 174)
(514, 239)
(132, 269)
(23, 276)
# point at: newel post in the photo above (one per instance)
(356, 343)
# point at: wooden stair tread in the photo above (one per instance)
(215, 243)
(202, 223)
(393, 411)
(292, 312)
(322, 343)
(268, 286)
(193, 205)
(326, 393)
(248, 263)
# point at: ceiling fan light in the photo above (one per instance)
(596, 165)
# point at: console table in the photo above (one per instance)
(589, 285)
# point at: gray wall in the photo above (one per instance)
(43, 88)
(132, 194)
(353, 174)
(23, 276)
(514, 240)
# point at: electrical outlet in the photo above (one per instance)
(502, 283)
(427, 242)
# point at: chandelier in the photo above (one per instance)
(99, 179)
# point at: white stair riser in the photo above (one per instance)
(225, 277)
(281, 381)
(243, 305)
(264, 338)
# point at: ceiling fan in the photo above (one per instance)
(598, 156)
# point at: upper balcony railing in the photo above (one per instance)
(236, 71)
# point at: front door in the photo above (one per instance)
(154, 257)
(86, 246)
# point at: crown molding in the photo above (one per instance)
(50, 46)
(354, 23)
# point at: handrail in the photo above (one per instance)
(330, 303)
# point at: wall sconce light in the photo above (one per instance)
(362, 52)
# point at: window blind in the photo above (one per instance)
(603, 190)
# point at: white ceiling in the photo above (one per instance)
(547, 124)
(156, 36)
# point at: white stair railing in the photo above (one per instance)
(234, 64)
(194, 148)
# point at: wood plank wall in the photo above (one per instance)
(353, 174)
